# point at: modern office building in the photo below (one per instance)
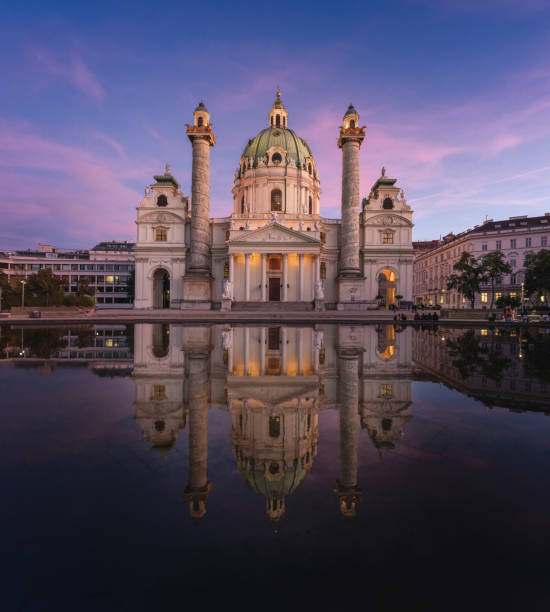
(514, 237)
(107, 268)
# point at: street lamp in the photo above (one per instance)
(23, 283)
(522, 304)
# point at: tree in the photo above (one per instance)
(470, 278)
(506, 300)
(537, 273)
(494, 267)
(46, 287)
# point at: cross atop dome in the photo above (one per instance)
(278, 115)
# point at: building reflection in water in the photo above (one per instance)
(273, 381)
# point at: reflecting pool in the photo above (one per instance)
(162, 465)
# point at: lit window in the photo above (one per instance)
(161, 235)
(159, 392)
(498, 295)
(513, 294)
(387, 237)
(109, 279)
(484, 298)
(276, 200)
(483, 332)
(386, 390)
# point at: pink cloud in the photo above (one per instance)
(64, 189)
(72, 68)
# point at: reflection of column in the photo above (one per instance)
(262, 351)
(300, 277)
(300, 356)
(246, 349)
(348, 491)
(231, 266)
(264, 279)
(283, 351)
(285, 278)
(198, 489)
(247, 277)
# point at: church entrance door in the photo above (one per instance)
(274, 289)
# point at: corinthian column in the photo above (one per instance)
(196, 285)
(347, 490)
(351, 137)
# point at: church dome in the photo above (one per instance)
(292, 478)
(296, 147)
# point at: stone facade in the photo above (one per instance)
(514, 237)
(275, 246)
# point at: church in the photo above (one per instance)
(275, 251)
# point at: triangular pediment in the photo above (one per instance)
(274, 233)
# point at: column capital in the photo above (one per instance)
(203, 132)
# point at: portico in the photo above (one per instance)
(273, 264)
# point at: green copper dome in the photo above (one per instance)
(296, 147)
(292, 478)
(351, 110)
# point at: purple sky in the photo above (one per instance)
(94, 100)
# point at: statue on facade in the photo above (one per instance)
(147, 190)
(167, 169)
(273, 217)
(247, 225)
(318, 291)
(318, 339)
(301, 226)
(383, 171)
(316, 225)
(227, 290)
(227, 339)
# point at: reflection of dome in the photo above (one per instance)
(275, 485)
(296, 147)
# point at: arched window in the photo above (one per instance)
(278, 121)
(200, 122)
(387, 204)
(271, 122)
(161, 234)
(352, 123)
(276, 200)
(323, 270)
(276, 158)
(309, 168)
(310, 205)
(162, 200)
(284, 122)
(242, 205)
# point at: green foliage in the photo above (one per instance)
(537, 273)
(505, 300)
(494, 267)
(537, 357)
(44, 289)
(470, 278)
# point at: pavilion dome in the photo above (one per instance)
(285, 138)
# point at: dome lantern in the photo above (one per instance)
(278, 115)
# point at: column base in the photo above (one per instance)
(319, 305)
(197, 291)
(350, 292)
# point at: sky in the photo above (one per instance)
(94, 98)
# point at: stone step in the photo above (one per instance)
(272, 306)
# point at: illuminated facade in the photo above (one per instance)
(275, 250)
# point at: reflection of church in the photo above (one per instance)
(274, 381)
(274, 246)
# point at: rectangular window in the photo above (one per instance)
(484, 246)
(161, 235)
(100, 267)
(513, 262)
(74, 266)
(528, 242)
(513, 243)
(387, 237)
(274, 426)
(498, 295)
(109, 279)
(499, 245)
(512, 279)
(159, 392)
(386, 390)
(513, 294)
(484, 298)
(543, 241)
